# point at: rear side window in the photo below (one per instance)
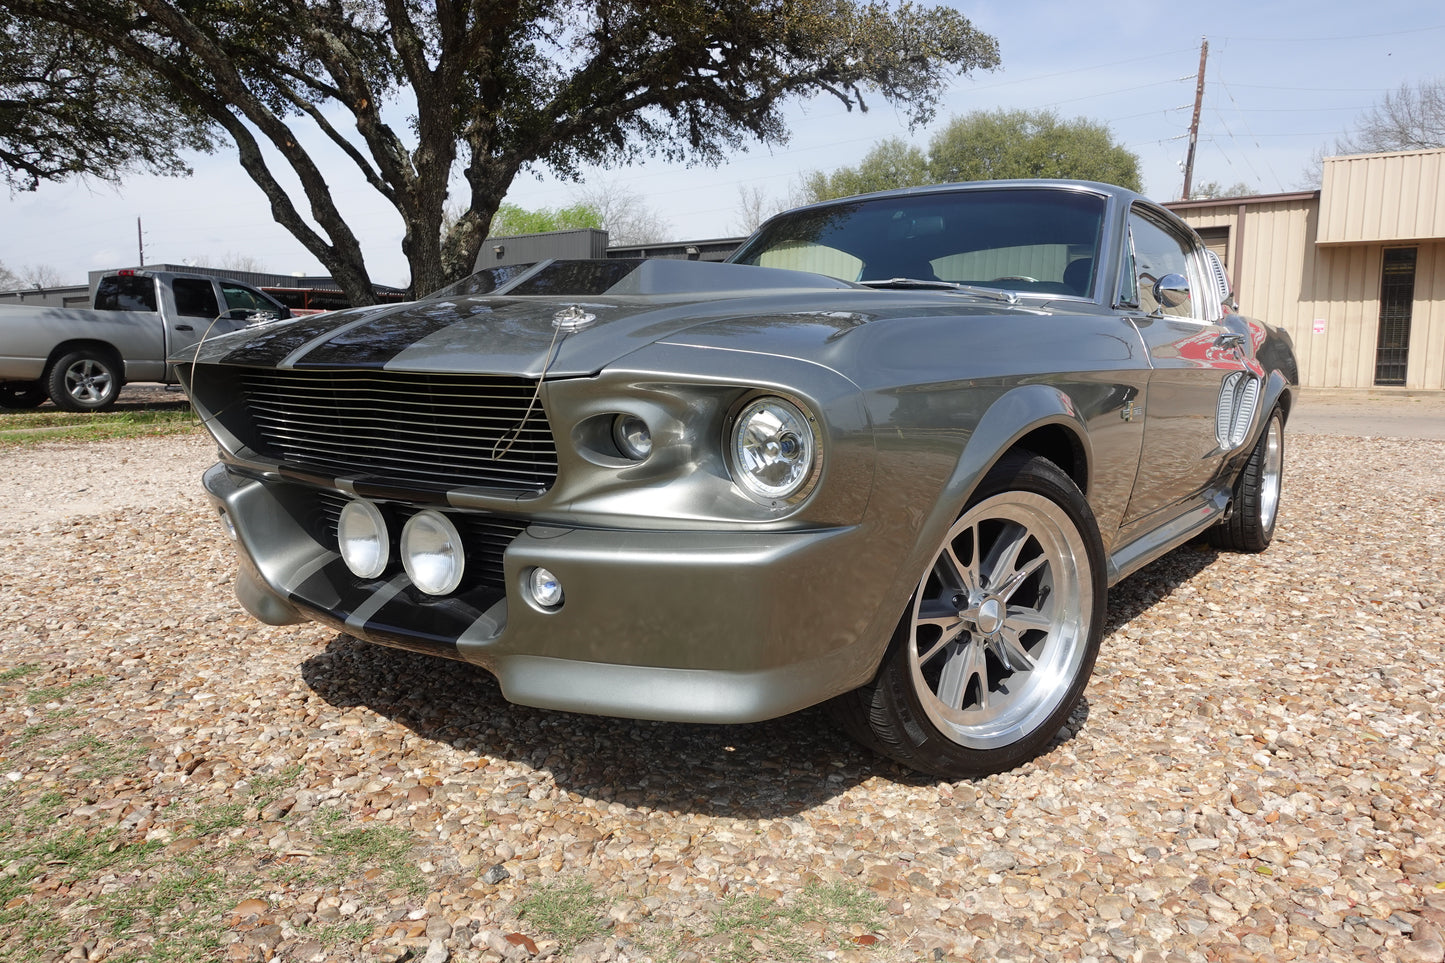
(195, 298)
(125, 293)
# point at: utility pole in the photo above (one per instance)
(1194, 123)
(140, 243)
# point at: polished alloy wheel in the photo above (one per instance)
(1271, 474)
(1000, 625)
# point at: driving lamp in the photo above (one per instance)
(431, 552)
(362, 539)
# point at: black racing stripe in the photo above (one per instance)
(376, 343)
(410, 620)
(271, 347)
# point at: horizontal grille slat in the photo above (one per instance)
(442, 430)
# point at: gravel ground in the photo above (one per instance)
(1256, 774)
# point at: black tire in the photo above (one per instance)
(22, 394)
(1250, 526)
(1017, 586)
(86, 380)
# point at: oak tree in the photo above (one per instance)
(422, 97)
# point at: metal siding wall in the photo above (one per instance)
(1383, 197)
(1289, 280)
(1427, 335)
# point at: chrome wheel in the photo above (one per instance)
(1000, 635)
(1255, 508)
(1271, 473)
(1001, 623)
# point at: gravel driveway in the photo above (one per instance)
(1257, 773)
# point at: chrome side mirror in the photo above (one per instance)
(1171, 291)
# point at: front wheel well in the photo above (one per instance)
(1060, 446)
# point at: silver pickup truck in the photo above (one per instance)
(80, 359)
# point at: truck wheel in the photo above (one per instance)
(22, 394)
(1000, 637)
(85, 381)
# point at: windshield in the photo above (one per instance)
(1031, 240)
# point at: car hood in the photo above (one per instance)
(577, 334)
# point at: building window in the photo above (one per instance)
(1397, 298)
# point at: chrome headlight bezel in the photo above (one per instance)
(774, 449)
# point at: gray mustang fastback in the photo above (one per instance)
(889, 457)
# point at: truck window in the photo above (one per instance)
(195, 298)
(238, 296)
(125, 293)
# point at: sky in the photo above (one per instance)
(1283, 80)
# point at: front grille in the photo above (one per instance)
(485, 537)
(434, 430)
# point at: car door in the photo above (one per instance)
(1192, 356)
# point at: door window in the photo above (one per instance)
(1155, 252)
(195, 298)
(238, 296)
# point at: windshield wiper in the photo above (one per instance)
(993, 294)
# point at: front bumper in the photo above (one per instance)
(696, 626)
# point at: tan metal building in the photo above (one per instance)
(1355, 271)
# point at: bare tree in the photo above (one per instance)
(230, 261)
(755, 206)
(626, 216)
(9, 280)
(1409, 118)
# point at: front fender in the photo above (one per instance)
(1010, 418)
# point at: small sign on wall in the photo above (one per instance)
(1319, 325)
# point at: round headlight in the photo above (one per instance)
(774, 451)
(431, 551)
(362, 539)
(632, 436)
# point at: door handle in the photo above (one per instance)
(184, 327)
(1229, 341)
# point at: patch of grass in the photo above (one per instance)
(42, 427)
(215, 819)
(374, 847)
(56, 693)
(104, 759)
(569, 912)
(16, 672)
(815, 921)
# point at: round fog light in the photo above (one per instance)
(431, 551)
(546, 589)
(632, 436)
(362, 539)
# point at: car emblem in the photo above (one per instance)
(1130, 411)
(571, 319)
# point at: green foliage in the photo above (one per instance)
(1212, 190)
(69, 106)
(890, 163)
(511, 220)
(989, 145)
